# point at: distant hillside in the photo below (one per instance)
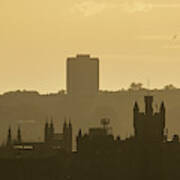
(30, 111)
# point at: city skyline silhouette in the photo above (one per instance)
(90, 90)
(146, 154)
(142, 139)
(82, 81)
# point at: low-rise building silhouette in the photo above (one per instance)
(99, 140)
(52, 141)
(147, 154)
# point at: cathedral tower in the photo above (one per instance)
(149, 125)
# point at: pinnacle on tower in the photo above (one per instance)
(9, 138)
(80, 133)
(136, 107)
(65, 124)
(162, 107)
(148, 105)
(70, 125)
(19, 135)
(51, 124)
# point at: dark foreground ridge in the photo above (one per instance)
(147, 154)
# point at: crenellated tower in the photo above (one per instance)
(62, 140)
(149, 126)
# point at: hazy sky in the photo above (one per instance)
(135, 40)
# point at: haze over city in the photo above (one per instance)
(90, 89)
(134, 40)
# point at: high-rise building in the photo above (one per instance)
(82, 75)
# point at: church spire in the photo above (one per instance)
(9, 138)
(19, 135)
(136, 107)
(162, 107)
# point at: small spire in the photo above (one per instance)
(80, 133)
(51, 122)
(64, 125)
(52, 126)
(162, 104)
(46, 124)
(19, 129)
(118, 138)
(162, 107)
(9, 130)
(51, 119)
(19, 134)
(9, 136)
(65, 121)
(136, 107)
(70, 122)
(47, 121)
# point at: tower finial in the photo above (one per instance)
(47, 119)
(136, 106)
(65, 120)
(19, 134)
(52, 127)
(69, 120)
(148, 105)
(162, 107)
(9, 138)
(51, 119)
(65, 123)
(70, 125)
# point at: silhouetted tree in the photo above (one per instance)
(169, 87)
(136, 86)
(61, 92)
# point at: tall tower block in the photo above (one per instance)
(82, 75)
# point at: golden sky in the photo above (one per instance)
(135, 40)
